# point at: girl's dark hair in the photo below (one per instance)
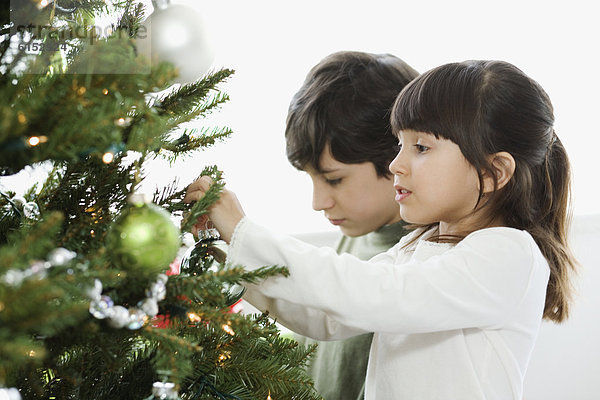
(487, 107)
(345, 102)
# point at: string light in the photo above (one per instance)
(269, 396)
(31, 353)
(21, 117)
(228, 329)
(224, 356)
(35, 140)
(123, 121)
(108, 157)
(105, 91)
(43, 4)
(81, 90)
(194, 317)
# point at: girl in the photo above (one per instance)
(456, 305)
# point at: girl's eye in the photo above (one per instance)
(333, 182)
(421, 148)
(398, 147)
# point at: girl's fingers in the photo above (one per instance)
(197, 189)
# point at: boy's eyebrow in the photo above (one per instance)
(329, 170)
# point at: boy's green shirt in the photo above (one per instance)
(339, 367)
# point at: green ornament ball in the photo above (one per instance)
(143, 239)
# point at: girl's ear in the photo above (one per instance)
(503, 165)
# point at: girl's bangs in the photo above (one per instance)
(436, 103)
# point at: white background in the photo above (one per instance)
(273, 44)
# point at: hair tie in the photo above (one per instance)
(553, 140)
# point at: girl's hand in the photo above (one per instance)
(224, 214)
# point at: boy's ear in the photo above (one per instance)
(503, 164)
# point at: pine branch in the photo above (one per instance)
(193, 140)
(189, 97)
(200, 207)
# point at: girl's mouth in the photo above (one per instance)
(402, 194)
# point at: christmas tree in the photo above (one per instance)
(87, 310)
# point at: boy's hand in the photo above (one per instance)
(224, 214)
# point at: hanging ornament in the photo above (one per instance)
(143, 239)
(164, 390)
(205, 256)
(176, 33)
(21, 207)
(10, 394)
(31, 210)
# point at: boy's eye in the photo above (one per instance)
(333, 182)
(421, 148)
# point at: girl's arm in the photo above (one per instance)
(225, 213)
(306, 321)
(482, 282)
(488, 279)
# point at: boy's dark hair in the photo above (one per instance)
(345, 103)
(486, 107)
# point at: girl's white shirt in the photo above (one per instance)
(450, 322)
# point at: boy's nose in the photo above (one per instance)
(322, 199)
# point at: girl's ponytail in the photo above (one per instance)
(551, 227)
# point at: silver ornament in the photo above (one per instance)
(31, 210)
(102, 308)
(10, 394)
(137, 318)
(13, 277)
(39, 267)
(95, 291)
(164, 390)
(157, 291)
(210, 233)
(176, 34)
(61, 256)
(149, 306)
(119, 317)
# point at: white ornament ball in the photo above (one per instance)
(177, 34)
(10, 394)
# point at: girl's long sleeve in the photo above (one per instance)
(478, 283)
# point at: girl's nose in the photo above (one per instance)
(397, 166)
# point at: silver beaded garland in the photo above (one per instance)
(103, 307)
(57, 257)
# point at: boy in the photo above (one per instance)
(338, 131)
